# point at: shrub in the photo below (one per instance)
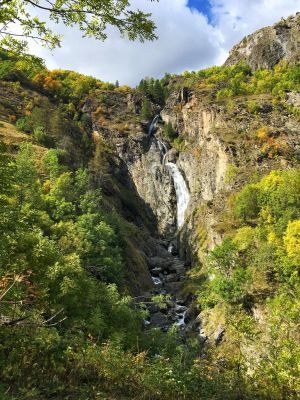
(25, 124)
(246, 204)
(169, 132)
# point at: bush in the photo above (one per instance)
(169, 132)
(39, 135)
(246, 204)
(25, 124)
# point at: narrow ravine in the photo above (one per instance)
(166, 268)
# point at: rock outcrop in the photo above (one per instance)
(221, 152)
(267, 46)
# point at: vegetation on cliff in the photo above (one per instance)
(240, 80)
(258, 262)
(68, 327)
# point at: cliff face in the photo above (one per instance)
(266, 47)
(225, 143)
(141, 152)
(222, 151)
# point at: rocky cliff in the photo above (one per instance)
(267, 46)
(222, 152)
(225, 143)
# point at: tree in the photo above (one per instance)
(146, 111)
(169, 132)
(91, 16)
(158, 92)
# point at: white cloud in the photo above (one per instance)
(186, 40)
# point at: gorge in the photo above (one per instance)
(149, 236)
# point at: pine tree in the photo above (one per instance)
(146, 111)
(158, 93)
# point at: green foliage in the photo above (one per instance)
(146, 111)
(24, 124)
(62, 271)
(9, 71)
(231, 173)
(92, 19)
(240, 80)
(156, 90)
(228, 279)
(16, 67)
(52, 127)
(169, 132)
(179, 144)
(252, 106)
(260, 260)
(247, 203)
(39, 135)
(66, 329)
(51, 164)
(274, 198)
(65, 86)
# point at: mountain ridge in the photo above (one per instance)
(267, 46)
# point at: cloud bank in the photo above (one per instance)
(187, 39)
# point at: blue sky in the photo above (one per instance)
(193, 34)
(202, 6)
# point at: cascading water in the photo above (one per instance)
(153, 124)
(182, 193)
(167, 270)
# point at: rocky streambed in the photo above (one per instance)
(166, 303)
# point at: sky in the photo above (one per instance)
(193, 34)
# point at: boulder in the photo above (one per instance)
(159, 319)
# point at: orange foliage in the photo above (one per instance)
(12, 118)
(262, 133)
(48, 81)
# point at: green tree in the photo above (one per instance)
(146, 111)
(158, 93)
(169, 132)
(92, 17)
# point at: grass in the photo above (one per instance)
(13, 138)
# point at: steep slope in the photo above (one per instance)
(204, 199)
(267, 46)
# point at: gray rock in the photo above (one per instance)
(159, 319)
(218, 335)
(159, 262)
(293, 98)
(156, 271)
(267, 46)
(172, 278)
(202, 338)
(173, 287)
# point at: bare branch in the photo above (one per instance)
(4, 293)
(53, 316)
(15, 321)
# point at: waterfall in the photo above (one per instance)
(153, 124)
(182, 193)
(163, 151)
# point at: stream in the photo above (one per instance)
(166, 268)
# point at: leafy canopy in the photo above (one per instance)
(92, 17)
